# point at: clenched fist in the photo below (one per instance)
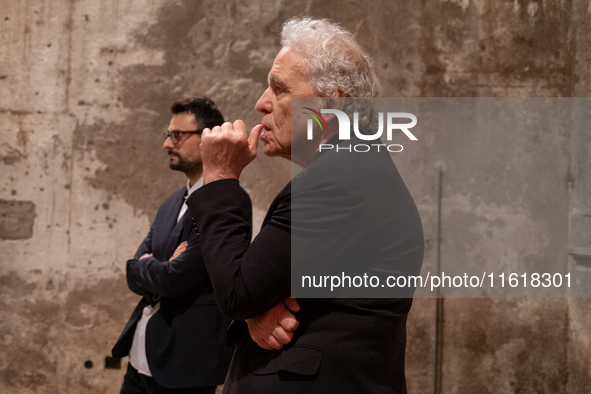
(226, 150)
(275, 328)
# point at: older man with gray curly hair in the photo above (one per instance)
(320, 219)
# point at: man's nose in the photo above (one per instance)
(264, 103)
(168, 143)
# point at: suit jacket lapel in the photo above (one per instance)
(187, 226)
(177, 227)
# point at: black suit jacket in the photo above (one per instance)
(341, 345)
(186, 342)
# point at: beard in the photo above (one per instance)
(182, 164)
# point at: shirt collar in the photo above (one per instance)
(197, 185)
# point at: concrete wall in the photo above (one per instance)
(86, 86)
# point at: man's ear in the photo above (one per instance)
(338, 102)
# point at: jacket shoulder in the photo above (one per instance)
(174, 197)
(170, 202)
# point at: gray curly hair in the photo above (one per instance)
(335, 62)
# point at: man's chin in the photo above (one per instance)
(175, 165)
(268, 150)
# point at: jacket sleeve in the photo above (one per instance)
(145, 247)
(168, 278)
(247, 278)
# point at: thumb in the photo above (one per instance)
(292, 304)
(253, 138)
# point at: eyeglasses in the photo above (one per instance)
(175, 134)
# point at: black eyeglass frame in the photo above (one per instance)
(175, 134)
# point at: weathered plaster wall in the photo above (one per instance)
(85, 91)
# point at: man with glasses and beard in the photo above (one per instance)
(176, 336)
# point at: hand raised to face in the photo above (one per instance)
(226, 150)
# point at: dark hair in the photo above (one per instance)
(207, 114)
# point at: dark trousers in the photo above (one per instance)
(137, 383)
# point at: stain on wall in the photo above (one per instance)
(513, 338)
(10, 155)
(16, 219)
(63, 331)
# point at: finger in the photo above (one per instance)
(281, 335)
(274, 343)
(289, 323)
(253, 138)
(206, 131)
(216, 130)
(292, 304)
(240, 127)
(227, 127)
(179, 251)
(180, 248)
